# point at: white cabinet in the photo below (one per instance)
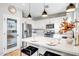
(27, 21)
(1, 36)
(76, 34)
(40, 24)
(1, 47)
(6, 45)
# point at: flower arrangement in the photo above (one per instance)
(66, 26)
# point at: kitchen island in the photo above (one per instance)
(58, 46)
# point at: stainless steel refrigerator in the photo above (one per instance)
(26, 30)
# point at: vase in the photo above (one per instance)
(69, 40)
(69, 37)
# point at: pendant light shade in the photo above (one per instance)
(70, 8)
(44, 14)
(29, 16)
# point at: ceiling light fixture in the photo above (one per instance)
(70, 8)
(44, 14)
(29, 15)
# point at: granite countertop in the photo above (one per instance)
(60, 46)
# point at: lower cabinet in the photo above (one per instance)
(43, 51)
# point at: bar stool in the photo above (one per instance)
(47, 53)
(30, 51)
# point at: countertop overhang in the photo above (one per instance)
(62, 46)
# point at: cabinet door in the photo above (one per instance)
(1, 48)
(11, 33)
(1, 36)
(76, 34)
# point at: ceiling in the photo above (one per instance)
(36, 9)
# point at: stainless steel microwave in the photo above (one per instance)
(49, 26)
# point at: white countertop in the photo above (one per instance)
(62, 46)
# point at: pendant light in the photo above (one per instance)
(70, 8)
(29, 15)
(44, 14)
